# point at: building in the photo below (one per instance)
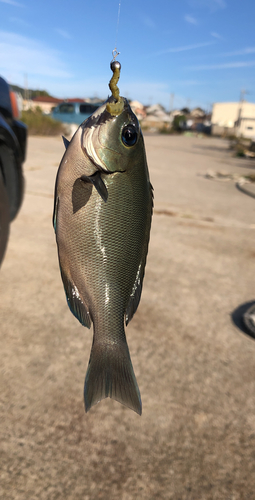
(139, 109)
(46, 103)
(197, 113)
(234, 118)
(156, 113)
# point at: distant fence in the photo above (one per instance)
(223, 131)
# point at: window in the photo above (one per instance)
(66, 108)
(249, 128)
(87, 108)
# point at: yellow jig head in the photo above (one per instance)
(115, 108)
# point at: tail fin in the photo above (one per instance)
(110, 374)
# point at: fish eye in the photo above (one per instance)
(129, 135)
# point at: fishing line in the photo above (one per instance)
(115, 52)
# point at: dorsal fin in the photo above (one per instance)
(135, 296)
(55, 213)
(65, 141)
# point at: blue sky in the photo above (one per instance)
(202, 51)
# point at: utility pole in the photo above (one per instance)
(209, 108)
(26, 96)
(150, 100)
(241, 101)
(171, 103)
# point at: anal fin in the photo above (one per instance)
(75, 303)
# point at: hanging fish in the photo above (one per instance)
(102, 219)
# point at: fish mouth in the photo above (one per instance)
(90, 135)
(101, 115)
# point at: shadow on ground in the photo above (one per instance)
(237, 318)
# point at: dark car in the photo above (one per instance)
(13, 141)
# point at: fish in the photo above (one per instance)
(102, 219)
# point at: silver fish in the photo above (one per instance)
(102, 219)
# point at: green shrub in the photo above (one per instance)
(178, 122)
(240, 152)
(166, 130)
(40, 124)
(250, 177)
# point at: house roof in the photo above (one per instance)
(136, 104)
(74, 99)
(197, 112)
(47, 99)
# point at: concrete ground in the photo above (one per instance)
(195, 368)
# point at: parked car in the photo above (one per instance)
(204, 128)
(13, 142)
(74, 112)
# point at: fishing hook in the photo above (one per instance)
(115, 54)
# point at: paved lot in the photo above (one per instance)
(195, 368)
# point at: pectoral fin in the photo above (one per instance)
(99, 184)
